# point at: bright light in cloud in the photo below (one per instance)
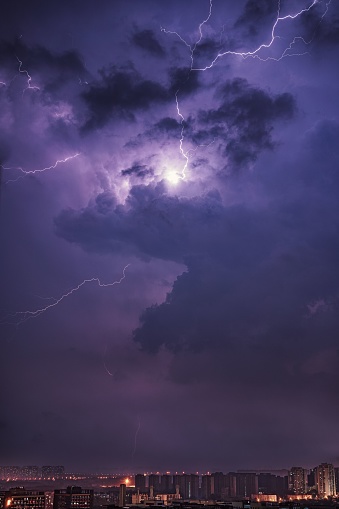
(172, 176)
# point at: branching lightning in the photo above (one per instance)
(285, 53)
(21, 317)
(40, 170)
(192, 49)
(29, 78)
(243, 54)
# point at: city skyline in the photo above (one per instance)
(169, 234)
(140, 489)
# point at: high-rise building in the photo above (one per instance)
(325, 480)
(297, 481)
(30, 472)
(10, 473)
(19, 498)
(154, 482)
(122, 495)
(206, 487)
(311, 482)
(231, 484)
(140, 482)
(166, 484)
(73, 497)
(336, 475)
(191, 486)
(218, 485)
(271, 484)
(188, 485)
(247, 484)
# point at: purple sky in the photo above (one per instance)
(219, 187)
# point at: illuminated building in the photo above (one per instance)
(10, 473)
(19, 498)
(336, 475)
(49, 497)
(325, 480)
(30, 473)
(297, 479)
(73, 497)
(2, 498)
(261, 497)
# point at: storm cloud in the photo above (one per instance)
(169, 235)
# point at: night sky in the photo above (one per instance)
(192, 158)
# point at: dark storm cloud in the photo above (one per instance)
(167, 125)
(247, 335)
(119, 93)
(242, 122)
(321, 31)
(184, 81)
(146, 40)
(252, 272)
(207, 50)
(291, 245)
(138, 170)
(166, 128)
(5, 151)
(245, 119)
(257, 13)
(151, 223)
(57, 68)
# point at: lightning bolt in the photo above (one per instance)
(29, 78)
(40, 170)
(104, 362)
(136, 437)
(255, 53)
(243, 54)
(192, 49)
(22, 316)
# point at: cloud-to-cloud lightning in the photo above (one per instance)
(29, 77)
(40, 170)
(22, 316)
(243, 54)
(255, 52)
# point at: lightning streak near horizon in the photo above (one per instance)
(20, 317)
(136, 437)
(40, 170)
(243, 54)
(104, 362)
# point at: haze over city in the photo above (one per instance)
(169, 235)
